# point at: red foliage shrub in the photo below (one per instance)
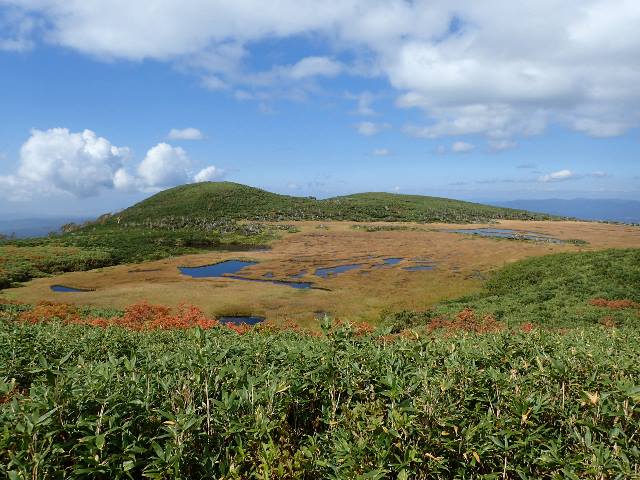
(48, 311)
(613, 304)
(140, 316)
(527, 327)
(239, 329)
(466, 320)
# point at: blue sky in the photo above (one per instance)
(435, 98)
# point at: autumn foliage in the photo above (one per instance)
(613, 304)
(140, 316)
(467, 320)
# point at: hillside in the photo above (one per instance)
(232, 201)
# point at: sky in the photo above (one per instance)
(105, 102)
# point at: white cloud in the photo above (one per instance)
(164, 166)
(315, 66)
(381, 152)
(370, 128)
(58, 160)
(558, 176)
(462, 147)
(83, 164)
(185, 134)
(208, 174)
(16, 30)
(505, 75)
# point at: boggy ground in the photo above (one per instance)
(461, 263)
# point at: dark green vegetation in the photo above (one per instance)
(529, 403)
(553, 291)
(21, 263)
(83, 402)
(215, 200)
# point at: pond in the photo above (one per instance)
(229, 269)
(216, 270)
(241, 319)
(64, 289)
(507, 233)
(389, 261)
(331, 271)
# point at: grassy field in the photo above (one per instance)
(460, 264)
(218, 215)
(452, 394)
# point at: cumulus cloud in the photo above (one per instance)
(84, 164)
(370, 128)
(164, 166)
(315, 66)
(208, 174)
(185, 134)
(571, 63)
(57, 160)
(558, 176)
(462, 147)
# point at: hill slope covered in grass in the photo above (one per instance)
(232, 201)
(559, 290)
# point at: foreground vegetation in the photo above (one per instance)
(466, 392)
(111, 403)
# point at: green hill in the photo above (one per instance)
(232, 201)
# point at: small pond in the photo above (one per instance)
(63, 289)
(240, 319)
(389, 261)
(217, 269)
(229, 268)
(507, 233)
(330, 271)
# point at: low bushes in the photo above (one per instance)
(84, 402)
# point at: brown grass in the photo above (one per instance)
(354, 295)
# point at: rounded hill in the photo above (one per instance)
(233, 201)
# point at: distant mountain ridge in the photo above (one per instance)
(34, 227)
(233, 201)
(612, 210)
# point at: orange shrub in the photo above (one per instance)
(527, 327)
(47, 311)
(613, 304)
(140, 316)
